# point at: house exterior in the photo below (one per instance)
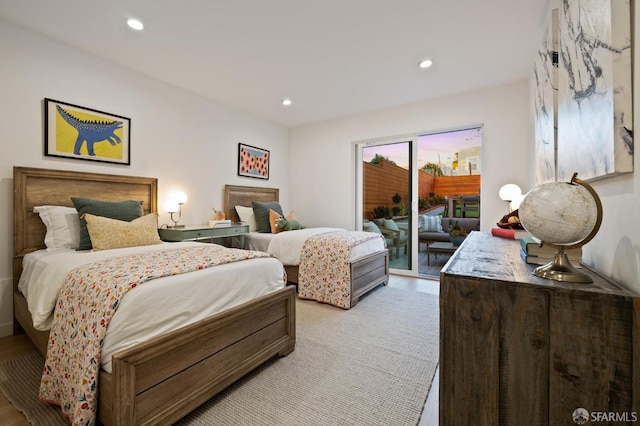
(190, 143)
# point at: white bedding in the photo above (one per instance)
(287, 245)
(149, 310)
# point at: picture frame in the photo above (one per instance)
(81, 133)
(253, 162)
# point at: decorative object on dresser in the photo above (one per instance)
(516, 346)
(137, 388)
(234, 231)
(514, 234)
(72, 131)
(366, 271)
(564, 216)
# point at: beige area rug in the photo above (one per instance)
(370, 365)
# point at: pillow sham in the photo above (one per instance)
(246, 215)
(63, 226)
(121, 210)
(273, 219)
(261, 212)
(109, 234)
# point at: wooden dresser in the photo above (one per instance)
(517, 349)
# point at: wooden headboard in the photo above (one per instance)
(39, 187)
(235, 195)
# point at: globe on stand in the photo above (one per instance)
(565, 216)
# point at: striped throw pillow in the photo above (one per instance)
(430, 223)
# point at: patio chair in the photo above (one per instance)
(470, 204)
(368, 226)
(399, 236)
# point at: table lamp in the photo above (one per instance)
(173, 206)
(511, 193)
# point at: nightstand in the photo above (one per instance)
(236, 232)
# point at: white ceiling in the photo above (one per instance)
(332, 57)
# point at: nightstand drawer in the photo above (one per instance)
(197, 233)
(201, 232)
(235, 230)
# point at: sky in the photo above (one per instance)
(433, 148)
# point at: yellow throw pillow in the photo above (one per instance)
(108, 233)
(273, 219)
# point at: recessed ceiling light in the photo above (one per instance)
(286, 102)
(425, 63)
(135, 24)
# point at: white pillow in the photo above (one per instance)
(63, 226)
(246, 215)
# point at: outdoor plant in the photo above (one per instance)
(423, 203)
(403, 209)
(397, 198)
(457, 230)
(381, 212)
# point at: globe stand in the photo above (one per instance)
(561, 269)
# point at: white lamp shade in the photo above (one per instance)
(515, 203)
(510, 192)
(180, 197)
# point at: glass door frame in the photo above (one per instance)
(412, 139)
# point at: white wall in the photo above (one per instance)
(615, 250)
(323, 156)
(323, 178)
(187, 142)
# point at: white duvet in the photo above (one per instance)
(287, 245)
(152, 309)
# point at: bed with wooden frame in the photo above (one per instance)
(367, 272)
(163, 379)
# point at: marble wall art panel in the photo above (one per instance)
(594, 89)
(545, 80)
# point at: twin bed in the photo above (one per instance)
(155, 368)
(368, 260)
(156, 380)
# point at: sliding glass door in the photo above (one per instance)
(422, 174)
(386, 197)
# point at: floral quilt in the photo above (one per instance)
(88, 301)
(324, 273)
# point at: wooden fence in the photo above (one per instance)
(382, 181)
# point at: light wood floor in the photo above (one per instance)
(14, 346)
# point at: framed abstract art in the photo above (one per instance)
(583, 92)
(253, 162)
(595, 113)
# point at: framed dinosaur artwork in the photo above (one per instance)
(73, 131)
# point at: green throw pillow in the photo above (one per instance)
(120, 210)
(261, 212)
